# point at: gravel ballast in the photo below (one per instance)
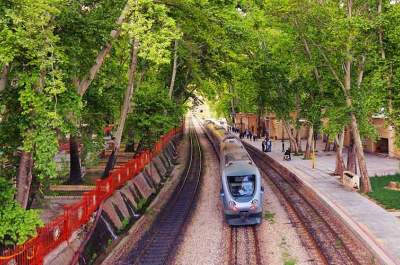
(207, 238)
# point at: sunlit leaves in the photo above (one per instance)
(17, 224)
(150, 23)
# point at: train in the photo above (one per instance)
(242, 193)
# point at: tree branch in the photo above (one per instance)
(334, 73)
(171, 87)
(94, 70)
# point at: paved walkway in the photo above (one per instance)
(373, 223)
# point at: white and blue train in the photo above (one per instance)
(242, 192)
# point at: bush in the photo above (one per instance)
(154, 114)
(17, 225)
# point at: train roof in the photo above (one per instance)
(234, 151)
(239, 168)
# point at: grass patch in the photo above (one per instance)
(338, 243)
(150, 211)
(390, 199)
(141, 205)
(290, 262)
(269, 216)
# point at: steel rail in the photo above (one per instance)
(158, 245)
(330, 238)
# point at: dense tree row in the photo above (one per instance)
(331, 62)
(69, 68)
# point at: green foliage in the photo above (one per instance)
(17, 224)
(154, 114)
(38, 85)
(150, 23)
(240, 56)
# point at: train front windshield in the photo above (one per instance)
(242, 186)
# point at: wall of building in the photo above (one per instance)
(269, 123)
(385, 142)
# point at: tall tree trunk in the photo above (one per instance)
(362, 165)
(172, 84)
(125, 108)
(298, 140)
(339, 168)
(75, 172)
(298, 136)
(259, 124)
(130, 147)
(327, 144)
(351, 158)
(3, 77)
(33, 191)
(365, 181)
(140, 146)
(83, 85)
(24, 178)
(293, 144)
(310, 145)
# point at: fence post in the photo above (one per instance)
(66, 223)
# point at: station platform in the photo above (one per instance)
(375, 226)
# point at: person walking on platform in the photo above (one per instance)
(264, 145)
(269, 145)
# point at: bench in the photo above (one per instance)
(351, 180)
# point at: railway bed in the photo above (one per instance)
(157, 246)
(327, 239)
(247, 253)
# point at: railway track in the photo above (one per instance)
(328, 240)
(243, 246)
(157, 246)
(243, 241)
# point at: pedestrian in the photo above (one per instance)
(254, 137)
(287, 155)
(269, 145)
(264, 145)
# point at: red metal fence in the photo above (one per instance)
(78, 214)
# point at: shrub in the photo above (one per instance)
(17, 225)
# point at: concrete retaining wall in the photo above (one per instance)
(137, 191)
(122, 209)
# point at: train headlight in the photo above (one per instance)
(233, 206)
(254, 204)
